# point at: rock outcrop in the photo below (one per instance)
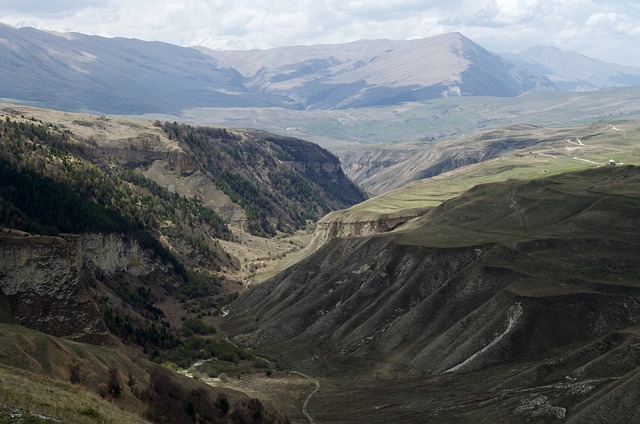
(41, 278)
(113, 253)
(340, 224)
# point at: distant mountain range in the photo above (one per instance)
(380, 72)
(571, 71)
(78, 72)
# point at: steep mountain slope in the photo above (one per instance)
(571, 71)
(380, 72)
(250, 179)
(539, 276)
(93, 249)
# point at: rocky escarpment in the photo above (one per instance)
(342, 224)
(162, 161)
(40, 276)
(41, 279)
(318, 165)
(113, 253)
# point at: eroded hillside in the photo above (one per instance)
(521, 294)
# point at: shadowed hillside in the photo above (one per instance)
(521, 284)
(117, 233)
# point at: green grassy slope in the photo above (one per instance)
(599, 142)
(595, 203)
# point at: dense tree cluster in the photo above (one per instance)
(259, 175)
(33, 202)
(153, 336)
(48, 186)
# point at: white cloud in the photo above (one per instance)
(615, 22)
(606, 29)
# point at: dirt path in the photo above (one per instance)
(522, 217)
(587, 160)
(306, 401)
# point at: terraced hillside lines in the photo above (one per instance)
(526, 322)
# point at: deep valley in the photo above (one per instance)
(369, 232)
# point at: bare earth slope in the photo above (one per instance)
(520, 295)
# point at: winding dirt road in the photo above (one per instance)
(306, 401)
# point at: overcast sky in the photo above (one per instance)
(604, 29)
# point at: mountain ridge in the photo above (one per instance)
(154, 77)
(131, 76)
(571, 71)
(352, 71)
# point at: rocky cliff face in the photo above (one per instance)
(41, 278)
(113, 253)
(341, 225)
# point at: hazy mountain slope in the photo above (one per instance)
(380, 72)
(538, 275)
(571, 71)
(114, 75)
(126, 76)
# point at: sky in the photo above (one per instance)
(608, 30)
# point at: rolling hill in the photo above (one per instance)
(521, 152)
